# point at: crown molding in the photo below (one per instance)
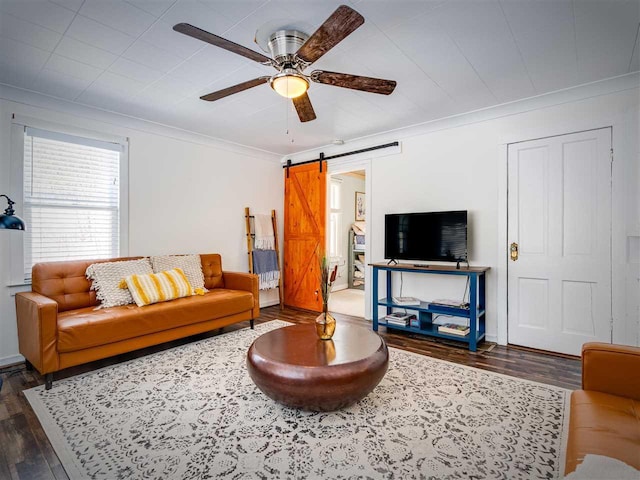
(38, 100)
(608, 86)
(581, 92)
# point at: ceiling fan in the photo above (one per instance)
(293, 52)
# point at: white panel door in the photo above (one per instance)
(559, 215)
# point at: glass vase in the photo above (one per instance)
(325, 325)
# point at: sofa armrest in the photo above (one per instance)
(611, 369)
(244, 281)
(37, 318)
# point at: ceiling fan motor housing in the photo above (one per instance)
(285, 43)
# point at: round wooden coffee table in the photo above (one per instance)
(294, 367)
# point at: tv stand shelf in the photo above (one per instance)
(475, 312)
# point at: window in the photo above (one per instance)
(71, 192)
(334, 235)
(335, 192)
(335, 220)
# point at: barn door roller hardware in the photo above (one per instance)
(322, 158)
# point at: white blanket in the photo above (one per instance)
(263, 229)
(359, 228)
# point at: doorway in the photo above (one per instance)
(559, 236)
(346, 240)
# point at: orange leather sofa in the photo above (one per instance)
(59, 327)
(605, 414)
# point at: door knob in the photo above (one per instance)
(513, 251)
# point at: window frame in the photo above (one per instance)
(337, 214)
(338, 254)
(335, 185)
(19, 125)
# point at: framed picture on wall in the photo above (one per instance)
(360, 207)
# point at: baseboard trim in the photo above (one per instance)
(12, 360)
(270, 303)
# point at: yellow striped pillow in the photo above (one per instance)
(158, 287)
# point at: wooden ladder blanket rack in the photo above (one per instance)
(249, 224)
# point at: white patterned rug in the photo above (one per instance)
(193, 412)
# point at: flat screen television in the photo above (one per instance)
(433, 236)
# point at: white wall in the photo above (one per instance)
(456, 164)
(186, 193)
(448, 170)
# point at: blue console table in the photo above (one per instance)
(426, 311)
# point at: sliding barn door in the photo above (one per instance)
(305, 190)
(559, 229)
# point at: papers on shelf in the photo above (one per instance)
(406, 300)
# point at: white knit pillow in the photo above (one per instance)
(106, 279)
(189, 264)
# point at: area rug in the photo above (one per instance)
(192, 412)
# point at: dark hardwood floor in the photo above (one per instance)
(26, 454)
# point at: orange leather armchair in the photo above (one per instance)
(605, 414)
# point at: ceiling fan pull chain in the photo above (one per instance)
(287, 125)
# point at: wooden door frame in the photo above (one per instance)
(340, 166)
(502, 271)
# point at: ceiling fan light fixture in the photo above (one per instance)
(289, 84)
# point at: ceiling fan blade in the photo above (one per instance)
(225, 92)
(336, 28)
(355, 82)
(304, 108)
(205, 36)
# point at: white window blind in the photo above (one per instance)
(71, 198)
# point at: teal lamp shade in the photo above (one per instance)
(10, 221)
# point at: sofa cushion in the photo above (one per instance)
(106, 277)
(603, 424)
(189, 264)
(66, 283)
(158, 287)
(86, 328)
(212, 270)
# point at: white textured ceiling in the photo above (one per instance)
(448, 57)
